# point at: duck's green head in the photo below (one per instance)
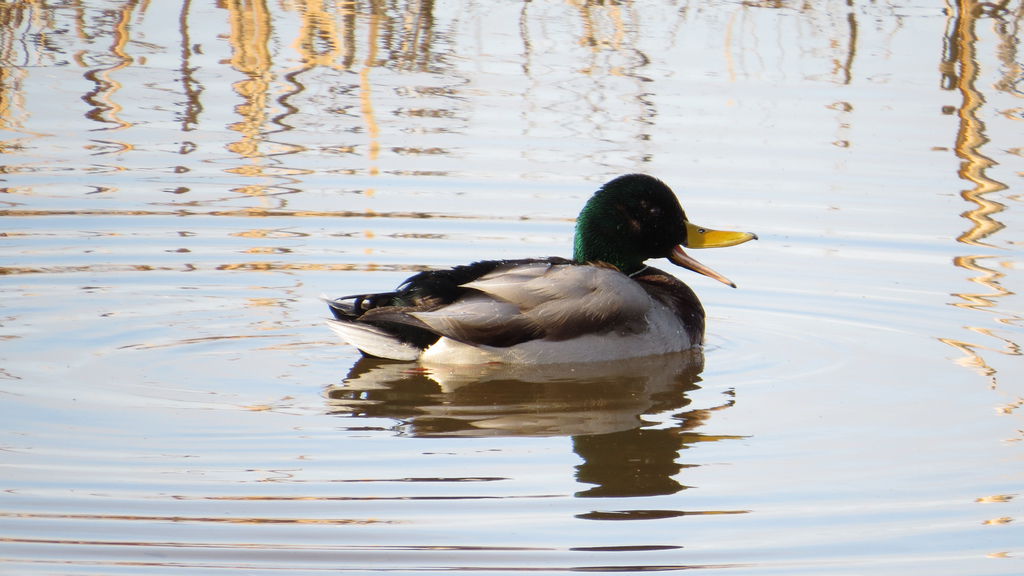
(637, 217)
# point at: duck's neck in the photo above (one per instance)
(591, 244)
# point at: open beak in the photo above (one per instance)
(698, 237)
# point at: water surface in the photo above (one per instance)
(181, 181)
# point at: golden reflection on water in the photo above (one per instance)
(12, 100)
(401, 37)
(971, 136)
(250, 37)
(106, 108)
(962, 73)
(593, 15)
(366, 96)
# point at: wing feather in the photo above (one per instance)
(580, 300)
(541, 300)
(481, 319)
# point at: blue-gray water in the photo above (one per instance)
(182, 180)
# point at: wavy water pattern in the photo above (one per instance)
(181, 181)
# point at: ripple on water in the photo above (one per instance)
(156, 481)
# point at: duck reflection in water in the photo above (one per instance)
(601, 405)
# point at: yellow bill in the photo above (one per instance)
(699, 237)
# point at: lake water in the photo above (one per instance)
(182, 180)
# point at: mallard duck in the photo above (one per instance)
(603, 304)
